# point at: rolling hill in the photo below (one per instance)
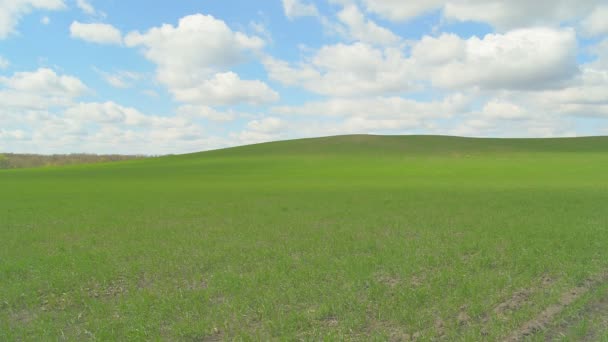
(339, 238)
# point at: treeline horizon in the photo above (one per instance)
(27, 160)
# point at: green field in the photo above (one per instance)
(340, 238)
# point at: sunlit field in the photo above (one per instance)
(341, 238)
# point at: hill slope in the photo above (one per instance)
(415, 144)
(339, 238)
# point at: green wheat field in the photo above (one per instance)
(364, 238)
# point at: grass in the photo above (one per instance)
(341, 238)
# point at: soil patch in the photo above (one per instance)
(541, 321)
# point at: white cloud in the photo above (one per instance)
(39, 89)
(45, 20)
(296, 8)
(225, 89)
(362, 29)
(587, 96)
(96, 33)
(190, 55)
(120, 79)
(534, 58)
(16, 134)
(376, 115)
(262, 30)
(439, 50)
(266, 125)
(195, 47)
(261, 130)
(399, 10)
(86, 7)
(12, 11)
(601, 52)
(395, 108)
(532, 127)
(206, 112)
(102, 127)
(501, 14)
(549, 112)
(149, 92)
(525, 58)
(348, 70)
(497, 109)
(597, 22)
(506, 15)
(4, 63)
(106, 113)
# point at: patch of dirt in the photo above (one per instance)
(218, 300)
(144, 282)
(193, 285)
(404, 337)
(112, 289)
(463, 316)
(22, 317)
(440, 327)
(520, 298)
(517, 300)
(540, 322)
(388, 280)
(416, 281)
(396, 332)
(331, 321)
(216, 335)
(593, 311)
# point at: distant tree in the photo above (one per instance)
(4, 163)
(15, 160)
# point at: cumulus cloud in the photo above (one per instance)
(587, 96)
(359, 28)
(120, 79)
(506, 15)
(402, 10)
(261, 130)
(534, 58)
(501, 14)
(548, 112)
(85, 6)
(531, 127)
(196, 46)
(376, 115)
(206, 112)
(502, 110)
(41, 115)
(225, 89)
(191, 56)
(4, 63)
(297, 8)
(108, 127)
(12, 11)
(526, 58)
(601, 52)
(42, 88)
(348, 70)
(597, 22)
(381, 108)
(96, 33)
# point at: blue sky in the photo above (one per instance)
(152, 77)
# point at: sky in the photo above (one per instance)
(158, 77)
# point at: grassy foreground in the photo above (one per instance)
(342, 238)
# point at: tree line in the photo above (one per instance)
(16, 160)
